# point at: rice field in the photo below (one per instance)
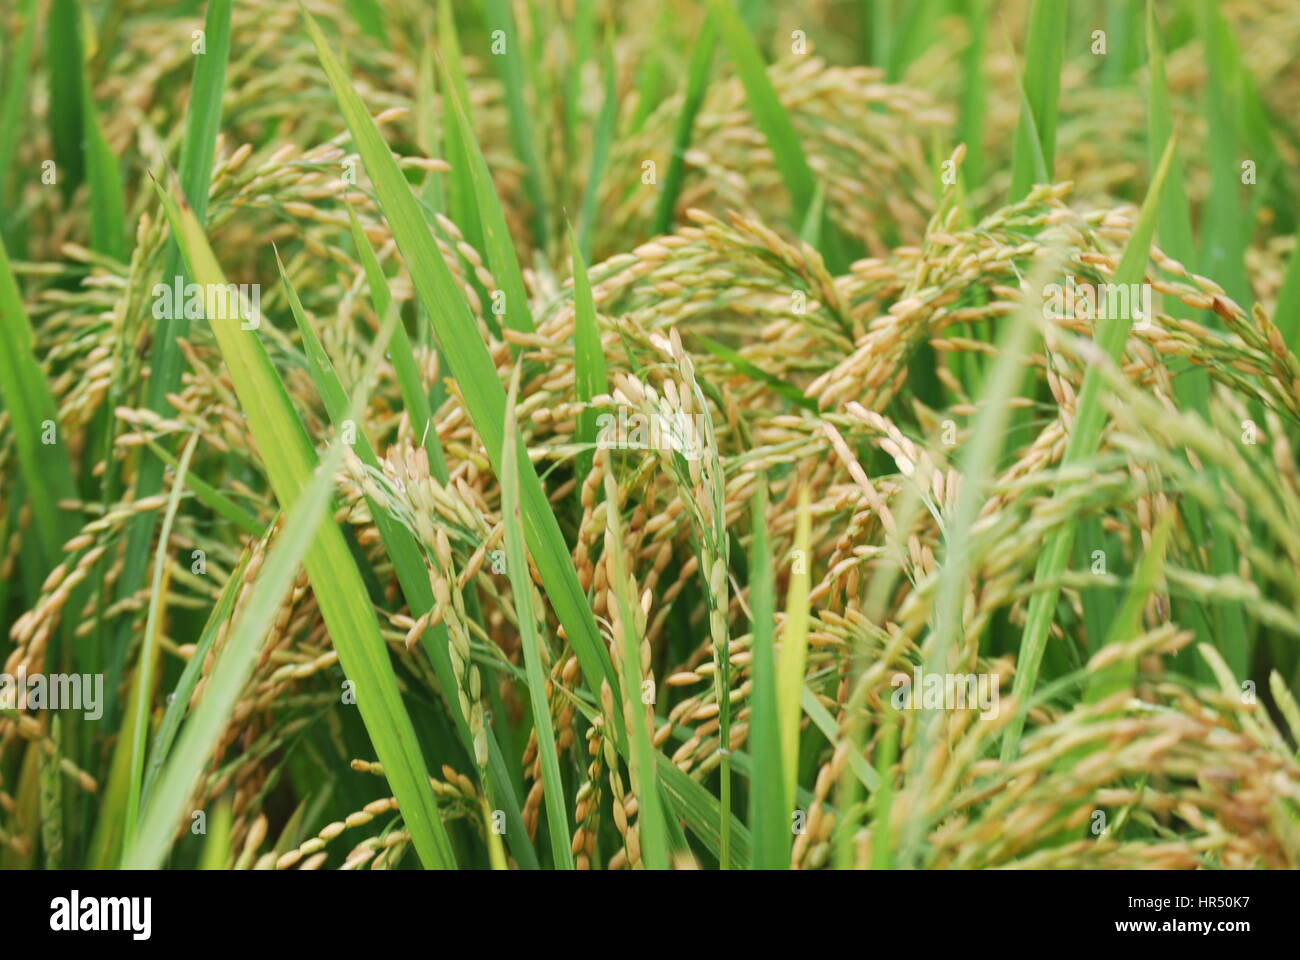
(588, 434)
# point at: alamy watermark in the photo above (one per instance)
(53, 691)
(1099, 301)
(75, 913)
(215, 301)
(683, 433)
(946, 691)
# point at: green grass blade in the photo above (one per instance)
(1287, 313)
(195, 174)
(499, 16)
(211, 497)
(769, 815)
(110, 826)
(881, 34)
(650, 75)
(428, 131)
(1124, 36)
(408, 560)
(1192, 383)
(1175, 223)
(589, 357)
(521, 585)
(793, 656)
(1258, 124)
(33, 418)
(824, 722)
(1127, 624)
(974, 98)
(204, 117)
(741, 365)
(770, 116)
(979, 461)
(461, 206)
(1224, 231)
(340, 593)
(1110, 335)
(11, 107)
(1044, 51)
(166, 361)
(107, 201)
(179, 703)
(216, 847)
(811, 231)
(582, 35)
(472, 367)
(697, 83)
(65, 65)
(496, 235)
(369, 16)
(882, 801)
(606, 125)
(693, 803)
(912, 36)
(414, 397)
(1028, 165)
(653, 833)
(144, 681)
(234, 666)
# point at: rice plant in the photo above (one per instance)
(548, 435)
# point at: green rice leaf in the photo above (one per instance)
(34, 420)
(697, 83)
(66, 66)
(824, 722)
(768, 112)
(179, 702)
(19, 57)
(1224, 233)
(1287, 313)
(1122, 674)
(702, 813)
(408, 561)
(1110, 335)
(461, 205)
(211, 497)
(331, 568)
(645, 776)
(1192, 384)
(233, 667)
(794, 650)
(769, 813)
(475, 374)
(107, 201)
(743, 366)
(974, 100)
(216, 848)
(166, 362)
(521, 585)
(414, 398)
(369, 16)
(882, 801)
(1044, 51)
(500, 22)
(589, 357)
(496, 235)
(144, 670)
(605, 128)
(979, 460)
